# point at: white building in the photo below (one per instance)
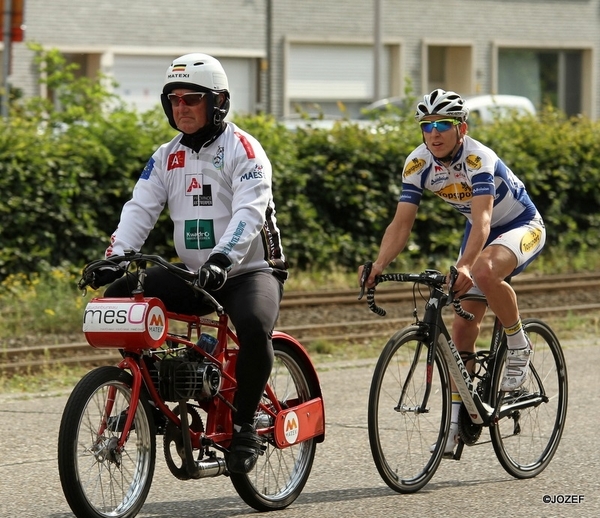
(316, 54)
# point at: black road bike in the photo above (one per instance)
(410, 396)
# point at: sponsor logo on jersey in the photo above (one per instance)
(456, 192)
(201, 193)
(218, 158)
(235, 238)
(176, 160)
(199, 234)
(147, 170)
(193, 183)
(531, 240)
(415, 165)
(473, 161)
(255, 174)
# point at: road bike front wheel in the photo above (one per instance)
(526, 440)
(98, 478)
(407, 441)
(280, 474)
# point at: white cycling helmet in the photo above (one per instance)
(201, 73)
(441, 102)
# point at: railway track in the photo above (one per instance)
(338, 322)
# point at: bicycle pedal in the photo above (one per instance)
(458, 452)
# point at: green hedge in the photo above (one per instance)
(65, 174)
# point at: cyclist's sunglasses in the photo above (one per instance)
(189, 99)
(441, 125)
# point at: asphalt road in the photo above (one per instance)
(344, 481)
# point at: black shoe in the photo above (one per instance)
(116, 423)
(246, 446)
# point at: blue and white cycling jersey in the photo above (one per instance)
(476, 170)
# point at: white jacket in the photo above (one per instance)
(219, 199)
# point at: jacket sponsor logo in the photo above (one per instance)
(193, 184)
(255, 174)
(201, 193)
(176, 160)
(218, 158)
(147, 170)
(415, 165)
(199, 234)
(235, 238)
(456, 192)
(473, 161)
(531, 240)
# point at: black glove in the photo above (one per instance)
(105, 275)
(213, 274)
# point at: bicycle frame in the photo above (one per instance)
(480, 411)
(308, 416)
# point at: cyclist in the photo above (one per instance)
(216, 180)
(504, 231)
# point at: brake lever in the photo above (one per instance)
(453, 277)
(367, 267)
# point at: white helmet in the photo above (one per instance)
(201, 73)
(196, 70)
(440, 102)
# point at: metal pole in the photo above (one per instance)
(269, 56)
(7, 30)
(377, 51)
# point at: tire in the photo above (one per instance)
(401, 441)
(98, 481)
(280, 474)
(526, 440)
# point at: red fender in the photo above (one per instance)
(313, 408)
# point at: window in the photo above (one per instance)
(448, 66)
(545, 76)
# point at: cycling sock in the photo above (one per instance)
(515, 336)
(456, 404)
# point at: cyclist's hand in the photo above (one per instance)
(366, 276)
(462, 281)
(105, 275)
(213, 273)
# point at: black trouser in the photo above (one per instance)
(252, 302)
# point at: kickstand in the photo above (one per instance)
(459, 449)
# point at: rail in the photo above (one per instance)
(28, 359)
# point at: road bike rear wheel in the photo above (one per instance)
(280, 474)
(402, 436)
(98, 479)
(527, 439)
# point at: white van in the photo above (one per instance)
(487, 108)
(482, 108)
